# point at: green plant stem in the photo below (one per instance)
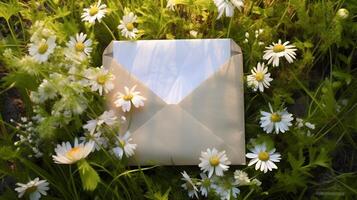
(72, 181)
(250, 192)
(110, 31)
(130, 119)
(11, 31)
(229, 27)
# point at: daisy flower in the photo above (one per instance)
(206, 184)
(35, 188)
(97, 139)
(260, 78)
(171, 5)
(214, 161)
(66, 154)
(46, 90)
(130, 97)
(124, 146)
(189, 185)
(127, 27)
(227, 7)
(241, 177)
(300, 124)
(277, 50)
(263, 159)
(108, 118)
(94, 12)
(41, 49)
(78, 47)
(279, 120)
(227, 189)
(100, 79)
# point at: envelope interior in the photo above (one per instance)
(172, 69)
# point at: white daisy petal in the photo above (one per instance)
(274, 52)
(263, 159)
(34, 188)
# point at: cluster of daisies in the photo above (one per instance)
(67, 90)
(98, 11)
(128, 23)
(64, 92)
(224, 7)
(214, 164)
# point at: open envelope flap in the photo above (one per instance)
(218, 103)
(124, 78)
(172, 69)
(179, 142)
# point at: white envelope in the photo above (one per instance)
(194, 91)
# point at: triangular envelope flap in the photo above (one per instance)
(218, 103)
(172, 68)
(108, 51)
(124, 78)
(235, 49)
(172, 136)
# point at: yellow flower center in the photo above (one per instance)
(278, 48)
(93, 11)
(31, 189)
(214, 161)
(71, 153)
(263, 156)
(122, 143)
(275, 117)
(130, 26)
(128, 97)
(259, 76)
(101, 79)
(79, 46)
(42, 48)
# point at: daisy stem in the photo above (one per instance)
(130, 119)
(110, 31)
(229, 26)
(73, 183)
(11, 31)
(250, 192)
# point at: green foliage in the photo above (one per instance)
(89, 176)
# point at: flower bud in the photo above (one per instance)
(343, 13)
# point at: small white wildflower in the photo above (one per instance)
(189, 185)
(260, 78)
(127, 26)
(171, 5)
(274, 52)
(214, 161)
(108, 118)
(66, 154)
(94, 12)
(40, 50)
(124, 146)
(130, 97)
(241, 177)
(35, 188)
(263, 159)
(278, 121)
(100, 79)
(227, 7)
